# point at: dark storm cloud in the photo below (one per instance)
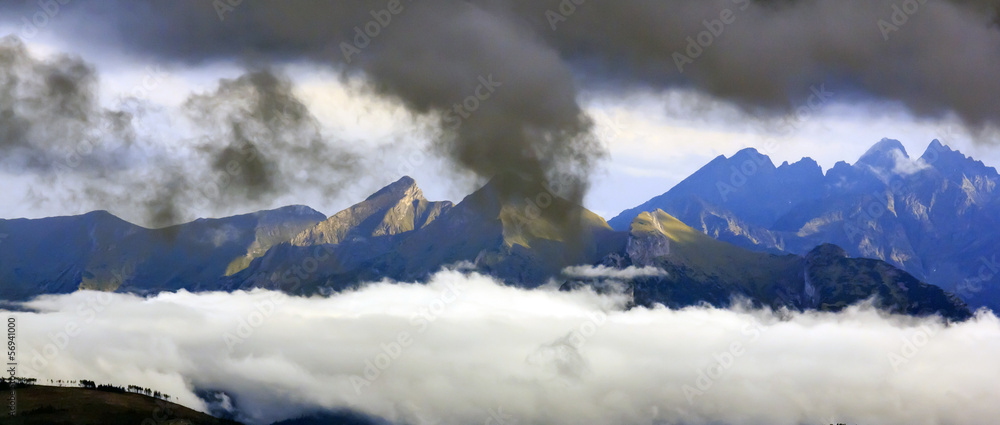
(265, 140)
(432, 56)
(502, 76)
(254, 140)
(257, 141)
(49, 113)
(933, 56)
(505, 100)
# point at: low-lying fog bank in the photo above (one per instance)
(466, 349)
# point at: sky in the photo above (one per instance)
(645, 132)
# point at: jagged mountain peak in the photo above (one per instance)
(304, 210)
(884, 146)
(936, 145)
(805, 162)
(406, 186)
(953, 163)
(99, 214)
(656, 236)
(397, 208)
(528, 210)
(509, 190)
(511, 185)
(737, 183)
(751, 154)
(937, 150)
(827, 250)
(883, 155)
(403, 190)
(934, 216)
(514, 228)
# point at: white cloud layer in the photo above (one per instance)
(907, 166)
(464, 349)
(603, 271)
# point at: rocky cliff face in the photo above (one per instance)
(525, 237)
(693, 267)
(100, 251)
(699, 268)
(505, 233)
(936, 216)
(648, 242)
(397, 208)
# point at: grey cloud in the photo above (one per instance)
(433, 56)
(773, 52)
(259, 140)
(253, 140)
(49, 113)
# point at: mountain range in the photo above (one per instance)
(936, 216)
(776, 236)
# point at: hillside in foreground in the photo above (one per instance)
(45, 405)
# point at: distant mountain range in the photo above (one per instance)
(936, 216)
(398, 234)
(100, 251)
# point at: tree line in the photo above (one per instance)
(13, 382)
(134, 389)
